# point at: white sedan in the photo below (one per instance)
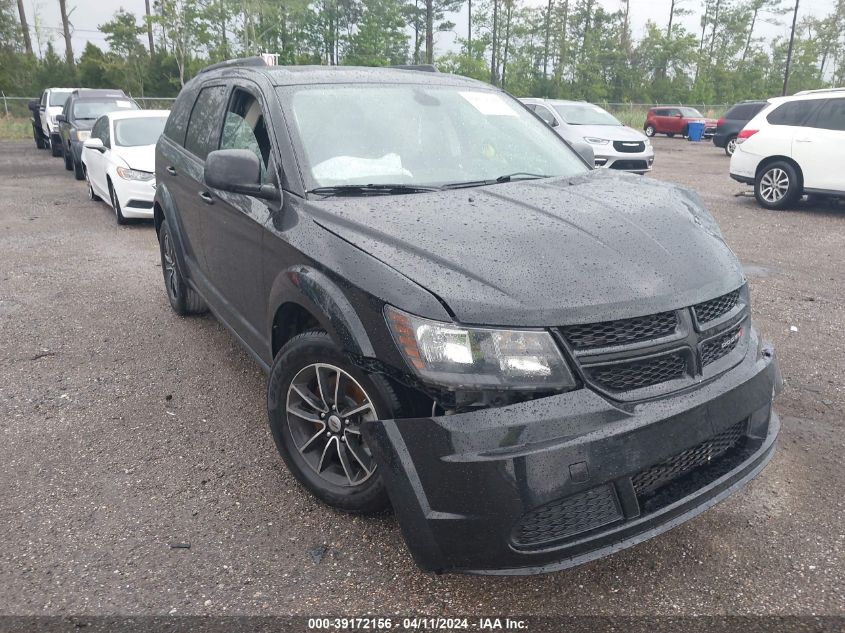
(119, 161)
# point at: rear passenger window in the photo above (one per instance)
(743, 112)
(204, 124)
(177, 122)
(792, 113)
(831, 115)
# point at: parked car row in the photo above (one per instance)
(105, 139)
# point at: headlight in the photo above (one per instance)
(647, 141)
(134, 174)
(53, 119)
(479, 358)
(592, 140)
(80, 135)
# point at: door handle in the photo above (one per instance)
(206, 197)
(171, 170)
(803, 140)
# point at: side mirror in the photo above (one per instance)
(679, 115)
(238, 171)
(94, 143)
(61, 118)
(34, 104)
(554, 123)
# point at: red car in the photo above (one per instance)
(671, 120)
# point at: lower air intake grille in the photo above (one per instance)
(620, 332)
(640, 373)
(720, 346)
(563, 518)
(649, 480)
(713, 309)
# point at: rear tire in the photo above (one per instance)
(68, 161)
(325, 450)
(730, 146)
(183, 299)
(777, 186)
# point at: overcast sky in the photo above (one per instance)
(86, 15)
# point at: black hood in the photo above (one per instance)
(546, 252)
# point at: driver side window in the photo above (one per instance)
(245, 127)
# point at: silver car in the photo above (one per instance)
(615, 146)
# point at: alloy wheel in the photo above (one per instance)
(773, 185)
(731, 147)
(325, 407)
(170, 278)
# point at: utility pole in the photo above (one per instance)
(150, 28)
(27, 42)
(789, 51)
(469, 27)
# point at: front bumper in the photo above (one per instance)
(135, 196)
(552, 483)
(636, 162)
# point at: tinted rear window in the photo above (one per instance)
(177, 122)
(793, 112)
(831, 115)
(203, 132)
(744, 111)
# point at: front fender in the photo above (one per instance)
(316, 292)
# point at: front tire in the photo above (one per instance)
(68, 161)
(777, 186)
(77, 170)
(39, 140)
(183, 299)
(730, 146)
(316, 402)
(55, 146)
(115, 204)
(650, 131)
(93, 197)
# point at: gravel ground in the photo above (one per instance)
(125, 430)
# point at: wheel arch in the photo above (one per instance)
(163, 206)
(302, 298)
(780, 158)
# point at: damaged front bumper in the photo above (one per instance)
(552, 483)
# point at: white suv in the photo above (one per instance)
(794, 146)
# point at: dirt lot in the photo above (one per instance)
(125, 430)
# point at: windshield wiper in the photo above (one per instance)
(517, 175)
(371, 189)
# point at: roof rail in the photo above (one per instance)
(235, 63)
(812, 92)
(425, 68)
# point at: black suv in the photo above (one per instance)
(732, 123)
(535, 363)
(82, 108)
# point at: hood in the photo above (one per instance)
(610, 132)
(601, 246)
(142, 157)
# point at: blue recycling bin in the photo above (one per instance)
(695, 131)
